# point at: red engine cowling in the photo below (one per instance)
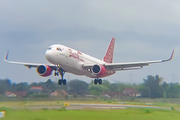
(44, 70)
(98, 70)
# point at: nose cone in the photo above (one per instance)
(49, 55)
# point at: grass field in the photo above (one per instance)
(88, 114)
(24, 104)
(17, 111)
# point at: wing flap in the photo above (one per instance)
(124, 66)
(87, 66)
(119, 69)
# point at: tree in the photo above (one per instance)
(19, 86)
(77, 87)
(145, 91)
(5, 85)
(105, 83)
(122, 86)
(153, 84)
(174, 91)
(97, 89)
(50, 85)
(114, 87)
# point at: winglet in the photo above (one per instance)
(109, 54)
(170, 57)
(6, 58)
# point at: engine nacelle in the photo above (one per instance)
(44, 70)
(98, 70)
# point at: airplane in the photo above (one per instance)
(65, 59)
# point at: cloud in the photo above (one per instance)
(144, 30)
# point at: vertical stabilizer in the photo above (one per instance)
(109, 54)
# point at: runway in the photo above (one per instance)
(96, 106)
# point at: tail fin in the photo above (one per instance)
(109, 54)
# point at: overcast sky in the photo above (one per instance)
(144, 30)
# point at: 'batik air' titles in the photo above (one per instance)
(75, 55)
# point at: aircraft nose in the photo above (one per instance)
(48, 55)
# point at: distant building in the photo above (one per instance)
(138, 95)
(16, 94)
(106, 96)
(112, 94)
(131, 92)
(10, 94)
(20, 93)
(54, 94)
(90, 96)
(37, 90)
(61, 93)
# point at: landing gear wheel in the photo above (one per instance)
(95, 81)
(100, 81)
(60, 81)
(64, 82)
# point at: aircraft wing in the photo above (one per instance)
(129, 65)
(29, 65)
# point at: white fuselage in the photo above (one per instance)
(71, 60)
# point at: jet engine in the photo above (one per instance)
(44, 70)
(98, 70)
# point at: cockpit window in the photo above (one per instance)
(59, 49)
(49, 48)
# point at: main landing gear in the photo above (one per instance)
(96, 81)
(61, 81)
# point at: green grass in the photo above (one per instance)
(88, 114)
(26, 104)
